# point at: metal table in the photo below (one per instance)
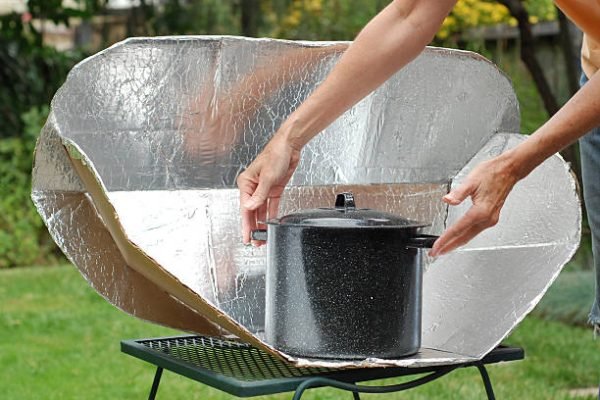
(245, 371)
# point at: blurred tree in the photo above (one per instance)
(343, 19)
(468, 14)
(184, 17)
(250, 17)
(570, 51)
(527, 44)
(319, 19)
(30, 72)
(527, 41)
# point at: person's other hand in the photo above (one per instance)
(488, 185)
(262, 183)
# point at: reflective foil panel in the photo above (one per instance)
(79, 232)
(490, 284)
(135, 178)
(194, 234)
(183, 113)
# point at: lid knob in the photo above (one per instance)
(345, 200)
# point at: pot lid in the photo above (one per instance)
(345, 214)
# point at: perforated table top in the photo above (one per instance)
(244, 371)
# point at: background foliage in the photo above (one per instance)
(23, 238)
(30, 74)
(477, 13)
(30, 71)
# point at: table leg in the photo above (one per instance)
(486, 382)
(339, 385)
(155, 383)
(319, 381)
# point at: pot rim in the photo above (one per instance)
(416, 225)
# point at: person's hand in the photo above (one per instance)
(262, 183)
(488, 185)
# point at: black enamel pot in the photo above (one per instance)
(344, 282)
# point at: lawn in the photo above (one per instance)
(60, 340)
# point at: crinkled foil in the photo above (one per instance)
(135, 178)
(78, 230)
(477, 294)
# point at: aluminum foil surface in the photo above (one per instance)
(477, 294)
(77, 228)
(135, 177)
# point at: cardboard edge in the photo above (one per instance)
(138, 260)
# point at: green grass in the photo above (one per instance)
(570, 297)
(60, 340)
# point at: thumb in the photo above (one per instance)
(260, 195)
(459, 194)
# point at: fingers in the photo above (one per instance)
(252, 204)
(255, 204)
(265, 178)
(450, 241)
(260, 195)
(246, 185)
(255, 219)
(477, 219)
(248, 218)
(248, 224)
(260, 216)
(460, 193)
(487, 193)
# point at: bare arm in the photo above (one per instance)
(577, 117)
(390, 41)
(489, 183)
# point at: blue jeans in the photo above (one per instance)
(589, 146)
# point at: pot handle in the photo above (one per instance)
(421, 241)
(259, 234)
(345, 201)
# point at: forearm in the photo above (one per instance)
(390, 41)
(577, 117)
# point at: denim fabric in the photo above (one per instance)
(589, 146)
